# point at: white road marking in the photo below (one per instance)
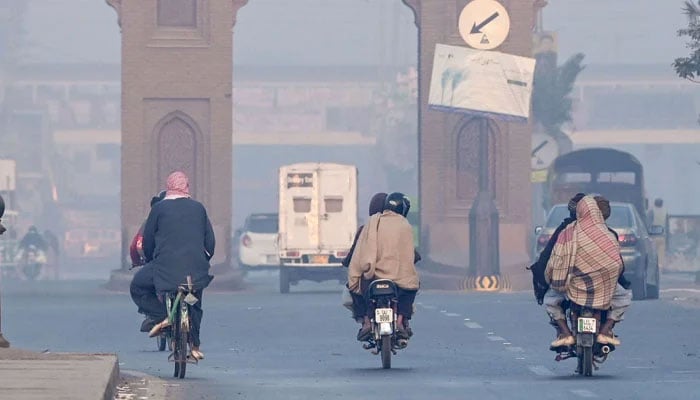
(583, 393)
(636, 367)
(540, 370)
(472, 325)
(680, 290)
(495, 338)
(429, 307)
(451, 314)
(686, 372)
(515, 349)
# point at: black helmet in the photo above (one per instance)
(398, 203)
(160, 196)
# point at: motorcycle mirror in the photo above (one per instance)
(538, 229)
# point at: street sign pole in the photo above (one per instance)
(483, 216)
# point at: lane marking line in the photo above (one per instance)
(472, 325)
(495, 338)
(540, 370)
(583, 393)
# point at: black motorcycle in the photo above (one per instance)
(383, 306)
(586, 323)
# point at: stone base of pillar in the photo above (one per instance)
(3, 342)
(225, 279)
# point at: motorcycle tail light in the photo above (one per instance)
(292, 254)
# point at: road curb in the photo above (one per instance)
(111, 387)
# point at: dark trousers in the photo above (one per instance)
(360, 304)
(143, 293)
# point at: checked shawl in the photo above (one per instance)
(586, 261)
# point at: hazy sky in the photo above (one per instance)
(347, 32)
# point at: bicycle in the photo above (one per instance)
(178, 305)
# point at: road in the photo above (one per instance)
(264, 345)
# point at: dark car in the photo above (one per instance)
(637, 247)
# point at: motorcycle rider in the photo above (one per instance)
(584, 267)
(178, 240)
(359, 304)
(33, 238)
(385, 251)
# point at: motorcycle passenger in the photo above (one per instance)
(385, 251)
(136, 249)
(622, 298)
(33, 238)
(584, 267)
(539, 283)
(178, 240)
(359, 306)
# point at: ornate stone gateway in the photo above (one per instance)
(176, 114)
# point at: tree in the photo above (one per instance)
(689, 67)
(551, 101)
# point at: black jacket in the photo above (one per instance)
(178, 240)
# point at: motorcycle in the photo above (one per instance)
(30, 262)
(589, 353)
(383, 306)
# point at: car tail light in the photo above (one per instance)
(340, 254)
(628, 240)
(246, 241)
(292, 254)
(543, 239)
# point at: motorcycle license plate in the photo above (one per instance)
(587, 325)
(382, 315)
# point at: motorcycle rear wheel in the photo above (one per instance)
(386, 352)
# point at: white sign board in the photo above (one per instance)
(7, 175)
(479, 82)
(484, 24)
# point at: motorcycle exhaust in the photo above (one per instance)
(605, 349)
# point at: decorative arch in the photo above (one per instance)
(176, 138)
(467, 139)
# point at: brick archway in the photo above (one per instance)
(177, 137)
(157, 64)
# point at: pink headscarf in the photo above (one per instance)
(177, 185)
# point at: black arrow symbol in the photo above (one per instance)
(538, 148)
(477, 28)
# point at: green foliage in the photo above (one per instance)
(551, 101)
(689, 67)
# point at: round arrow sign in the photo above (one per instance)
(484, 24)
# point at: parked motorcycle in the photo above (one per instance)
(383, 306)
(590, 354)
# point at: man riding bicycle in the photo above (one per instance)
(178, 241)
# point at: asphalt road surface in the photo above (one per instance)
(264, 345)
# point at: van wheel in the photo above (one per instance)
(284, 280)
(639, 289)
